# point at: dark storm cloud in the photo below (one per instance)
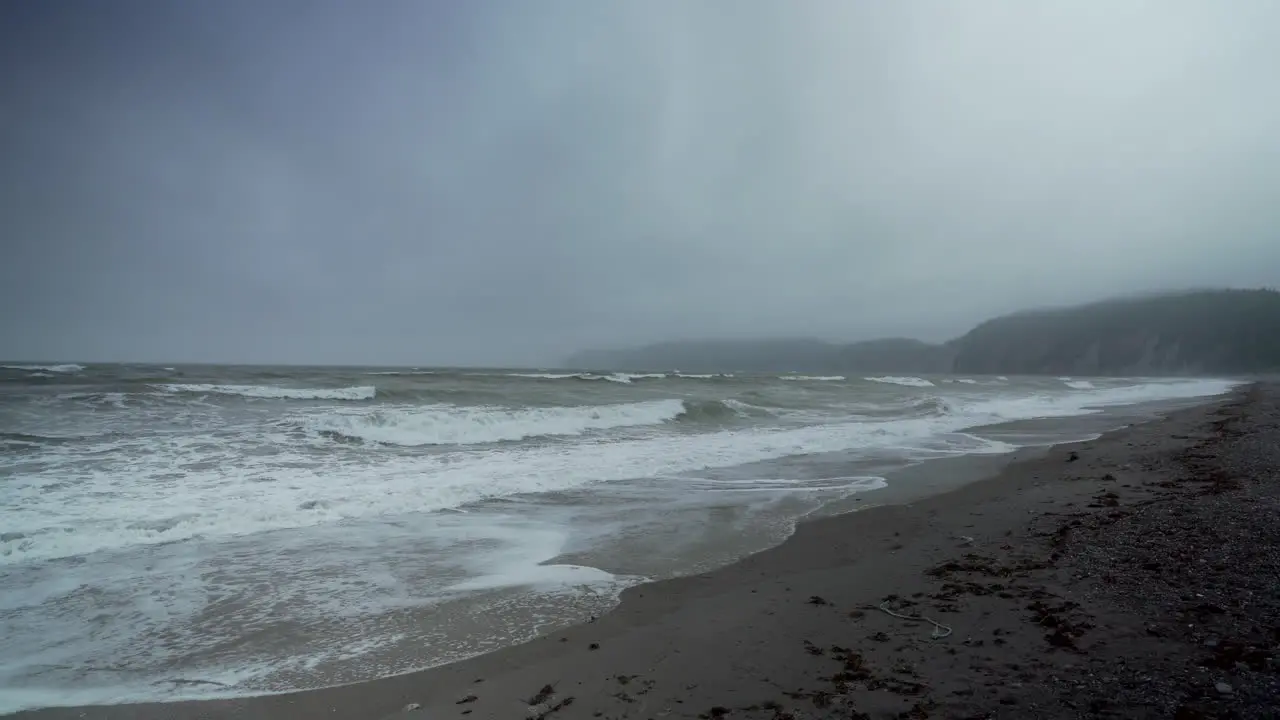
(503, 182)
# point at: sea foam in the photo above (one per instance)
(905, 381)
(63, 368)
(237, 490)
(363, 392)
(451, 425)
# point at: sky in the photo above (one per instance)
(503, 182)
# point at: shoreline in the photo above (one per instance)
(742, 615)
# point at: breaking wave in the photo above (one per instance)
(1078, 384)
(918, 407)
(812, 378)
(63, 368)
(402, 372)
(114, 399)
(907, 381)
(364, 392)
(618, 377)
(453, 425)
(717, 411)
(703, 376)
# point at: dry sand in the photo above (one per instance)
(1134, 576)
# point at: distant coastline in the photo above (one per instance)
(1201, 332)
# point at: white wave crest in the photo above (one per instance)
(618, 377)
(363, 392)
(95, 398)
(453, 425)
(1078, 384)
(813, 378)
(703, 376)
(402, 372)
(548, 376)
(64, 368)
(895, 380)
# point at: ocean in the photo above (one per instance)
(210, 531)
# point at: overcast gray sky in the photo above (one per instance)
(504, 182)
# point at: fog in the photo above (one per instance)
(506, 182)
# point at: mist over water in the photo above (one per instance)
(274, 528)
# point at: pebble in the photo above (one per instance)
(1223, 688)
(411, 707)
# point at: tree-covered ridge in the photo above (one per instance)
(1213, 331)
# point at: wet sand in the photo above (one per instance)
(1137, 575)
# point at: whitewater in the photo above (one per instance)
(246, 530)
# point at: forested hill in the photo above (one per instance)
(1224, 331)
(1201, 332)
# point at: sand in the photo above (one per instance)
(1137, 575)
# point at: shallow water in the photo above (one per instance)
(266, 529)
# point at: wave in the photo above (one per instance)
(812, 378)
(628, 377)
(624, 378)
(718, 411)
(364, 392)
(37, 439)
(238, 493)
(930, 406)
(114, 399)
(63, 368)
(702, 376)
(1078, 384)
(907, 381)
(16, 438)
(914, 407)
(453, 425)
(402, 372)
(618, 377)
(550, 376)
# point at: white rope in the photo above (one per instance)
(939, 630)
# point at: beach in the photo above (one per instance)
(1134, 575)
